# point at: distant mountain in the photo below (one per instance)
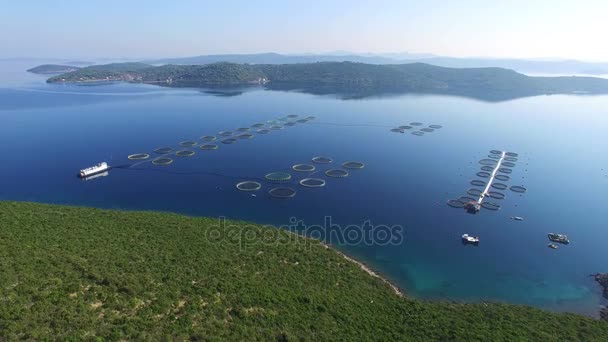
(52, 69)
(571, 67)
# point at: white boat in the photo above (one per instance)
(517, 218)
(93, 170)
(466, 238)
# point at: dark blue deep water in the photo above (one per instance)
(48, 132)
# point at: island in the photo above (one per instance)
(53, 69)
(74, 273)
(344, 78)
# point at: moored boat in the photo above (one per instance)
(93, 170)
(559, 238)
(466, 238)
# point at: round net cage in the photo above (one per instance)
(415, 124)
(322, 160)
(497, 152)
(138, 156)
(499, 186)
(292, 116)
(245, 136)
(455, 203)
(188, 143)
(477, 182)
(282, 192)
(418, 133)
(311, 117)
(474, 192)
(405, 127)
(278, 177)
(466, 199)
(208, 147)
(312, 182)
(494, 156)
(184, 153)
(249, 186)
(337, 173)
(503, 178)
(487, 168)
(518, 188)
(162, 161)
(428, 130)
(508, 164)
(163, 150)
(490, 206)
(397, 130)
(243, 129)
(263, 131)
(511, 159)
(353, 165)
(303, 167)
(208, 138)
(483, 174)
(435, 126)
(505, 170)
(229, 141)
(290, 124)
(302, 121)
(496, 195)
(225, 133)
(273, 122)
(257, 125)
(488, 162)
(512, 154)
(276, 127)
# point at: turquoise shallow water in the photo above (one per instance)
(49, 132)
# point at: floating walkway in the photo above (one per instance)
(492, 177)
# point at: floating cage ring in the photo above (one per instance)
(208, 147)
(497, 152)
(312, 182)
(455, 203)
(292, 116)
(225, 133)
(263, 131)
(322, 160)
(397, 130)
(302, 121)
(508, 164)
(490, 206)
(245, 136)
(282, 192)
(499, 186)
(162, 161)
(243, 129)
(494, 156)
(353, 165)
(487, 168)
(488, 162)
(188, 143)
(518, 188)
(511, 159)
(311, 117)
(249, 186)
(228, 141)
(477, 182)
(278, 177)
(503, 178)
(337, 173)
(184, 153)
(276, 127)
(427, 130)
(418, 133)
(435, 126)
(466, 199)
(405, 127)
(138, 156)
(208, 138)
(416, 123)
(505, 170)
(483, 174)
(290, 124)
(512, 154)
(163, 150)
(496, 195)
(304, 167)
(474, 192)
(257, 125)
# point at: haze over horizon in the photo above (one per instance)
(561, 29)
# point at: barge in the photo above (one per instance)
(94, 170)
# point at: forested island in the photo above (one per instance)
(343, 77)
(53, 69)
(85, 274)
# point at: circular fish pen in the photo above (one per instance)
(138, 156)
(490, 206)
(435, 126)
(477, 182)
(353, 165)
(487, 168)
(263, 131)
(163, 150)
(243, 129)
(303, 167)
(229, 141)
(415, 123)
(278, 177)
(290, 124)
(208, 138)
(322, 160)
(188, 143)
(474, 192)
(494, 156)
(184, 153)
(245, 136)
(508, 164)
(249, 186)
(427, 130)
(518, 189)
(312, 182)
(503, 178)
(405, 127)
(282, 192)
(336, 173)
(292, 116)
(276, 127)
(257, 125)
(418, 133)
(496, 195)
(512, 154)
(311, 117)
(499, 186)
(511, 159)
(483, 174)
(466, 199)
(505, 170)
(162, 161)
(455, 203)
(490, 162)
(208, 147)
(225, 133)
(397, 130)
(497, 152)
(302, 121)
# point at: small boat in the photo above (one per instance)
(552, 245)
(517, 218)
(93, 170)
(559, 238)
(466, 238)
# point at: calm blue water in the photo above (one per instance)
(48, 132)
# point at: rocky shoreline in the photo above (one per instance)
(602, 279)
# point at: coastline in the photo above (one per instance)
(602, 280)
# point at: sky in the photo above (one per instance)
(572, 29)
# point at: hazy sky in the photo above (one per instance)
(165, 28)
